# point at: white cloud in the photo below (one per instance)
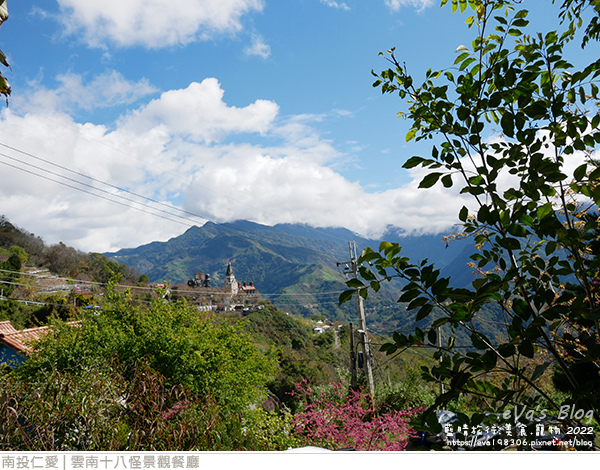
(247, 183)
(173, 150)
(198, 112)
(396, 5)
(153, 23)
(103, 91)
(258, 48)
(334, 4)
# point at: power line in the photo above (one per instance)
(184, 216)
(158, 167)
(90, 192)
(96, 180)
(163, 170)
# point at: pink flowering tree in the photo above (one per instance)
(340, 419)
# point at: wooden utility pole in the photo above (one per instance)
(352, 268)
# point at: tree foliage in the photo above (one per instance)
(508, 120)
(102, 408)
(188, 348)
(62, 259)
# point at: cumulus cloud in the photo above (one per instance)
(247, 183)
(199, 113)
(153, 23)
(175, 153)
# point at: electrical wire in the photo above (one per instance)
(185, 217)
(162, 170)
(158, 167)
(96, 180)
(89, 192)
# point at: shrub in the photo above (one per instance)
(97, 409)
(338, 418)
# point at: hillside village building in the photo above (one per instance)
(230, 284)
(234, 295)
(200, 280)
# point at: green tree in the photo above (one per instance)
(10, 270)
(527, 211)
(188, 348)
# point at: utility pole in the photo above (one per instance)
(353, 382)
(439, 343)
(352, 268)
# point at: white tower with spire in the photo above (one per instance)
(230, 284)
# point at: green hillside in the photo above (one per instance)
(292, 265)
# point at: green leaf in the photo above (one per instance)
(447, 181)
(478, 342)
(506, 350)
(3, 59)
(461, 57)
(508, 124)
(521, 14)
(355, 283)
(410, 135)
(424, 312)
(522, 308)
(413, 162)
(432, 336)
(517, 230)
(429, 180)
(539, 370)
(466, 63)
(418, 302)
(346, 296)
(409, 295)
(550, 247)
(526, 348)
(509, 243)
(580, 172)
(388, 348)
(544, 211)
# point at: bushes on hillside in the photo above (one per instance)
(187, 347)
(99, 409)
(339, 418)
(164, 376)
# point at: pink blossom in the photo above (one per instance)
(342, 420)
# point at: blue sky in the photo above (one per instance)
(226, 109)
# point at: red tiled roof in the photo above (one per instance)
(6, 327)
(20, 340)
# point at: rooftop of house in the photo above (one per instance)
(20, 340)
(247, 287)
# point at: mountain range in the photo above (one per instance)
(295, 266)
